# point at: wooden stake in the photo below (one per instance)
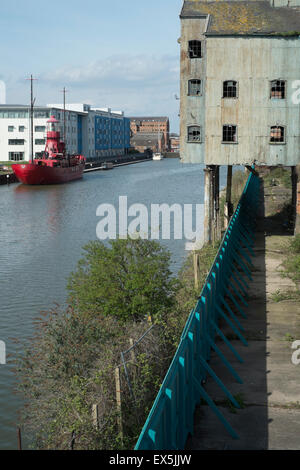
(132, 353)
(196, 268)
(19, 439)
(118, 399)
(133, 360)
(95, 416)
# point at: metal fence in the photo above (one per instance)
(171, 418)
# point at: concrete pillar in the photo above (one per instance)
(294, 179)
(208, 204)
(296, 197)
(212, 203)
(228, 209)
(217, 203)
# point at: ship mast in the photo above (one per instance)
(32, 101)
(64, 91)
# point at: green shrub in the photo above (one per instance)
(295, 244)
(128, 279)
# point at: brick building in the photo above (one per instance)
(154, 127)
(142, 142)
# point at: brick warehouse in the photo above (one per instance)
(153, 126)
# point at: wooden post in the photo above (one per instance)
(95, 416)
(196, 269)
(133, 359)
(19, 439)
(118, 400)
(132, 353)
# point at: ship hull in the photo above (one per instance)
(36, 175)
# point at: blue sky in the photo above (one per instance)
(116, 53)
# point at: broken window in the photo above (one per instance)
(230, 89)
(229, 133)
(195, 87)
(195, 49)
(278, 89)
(194, 134)
(277, 134)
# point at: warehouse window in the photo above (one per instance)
(229, 133)
(194, 134)
(230, 89)
(195, 49)
(278, 89)
(277, 134)
(21, 128)
(194, 87)
(11, 128)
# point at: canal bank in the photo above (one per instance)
(103, 164)
(8, 178)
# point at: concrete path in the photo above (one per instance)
(270, 394)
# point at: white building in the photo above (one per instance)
(94, 132)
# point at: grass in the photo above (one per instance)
(280, 296)
(227, 403)
(10, 163)
(279, 177)
(239, 179)
(288, 337)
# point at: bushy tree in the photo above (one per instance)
(128, 279)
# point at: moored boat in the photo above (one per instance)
(55, 165)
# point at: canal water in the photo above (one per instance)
(42, 231)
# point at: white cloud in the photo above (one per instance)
(125, 70)
(137, 84)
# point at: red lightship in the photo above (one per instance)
(55, 165)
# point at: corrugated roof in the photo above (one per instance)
(244, 17)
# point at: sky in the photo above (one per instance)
(118, 54)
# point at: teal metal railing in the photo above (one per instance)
(171, 418)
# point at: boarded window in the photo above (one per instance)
(194, 134)
(195, 87)
(278, 89)
(230, 89)
(195, 49)
(277, 134)
(229, 133)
